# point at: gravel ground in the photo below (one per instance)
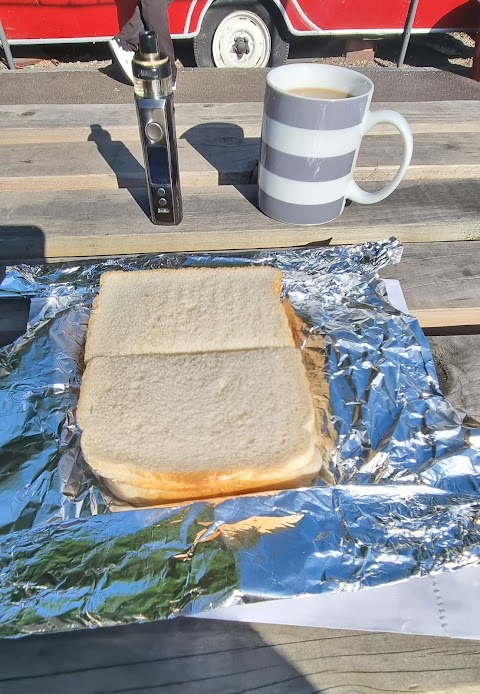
(450, 52)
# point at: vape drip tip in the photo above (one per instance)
(148, 42)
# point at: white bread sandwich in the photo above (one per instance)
(194, 387)
(187, 311)
(170, 428)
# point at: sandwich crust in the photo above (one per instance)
(166, 487)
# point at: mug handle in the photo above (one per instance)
(357, 194)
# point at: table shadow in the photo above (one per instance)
(235, 157)
(130, 174)
(18, 244)
(14, 312)
(21, 243)
(171, 656)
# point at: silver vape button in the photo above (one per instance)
(161, 191)
(162, 202)
(154, 131)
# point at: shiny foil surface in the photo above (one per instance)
(398, 496)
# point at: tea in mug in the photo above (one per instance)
(320, 93)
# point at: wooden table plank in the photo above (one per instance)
(216, 155)
(448, 317)
(188, 656)
(115, 222)
(434, 275)
(439, 275)
(67, 123)
(457, 359)
(106, 164)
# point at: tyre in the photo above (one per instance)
(241, 34)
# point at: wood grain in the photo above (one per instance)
(439, 275)
(64, 123)
(434, 275)
(107, 164)
(448, 317)
(215, 155)
(189, 656)
(115, 222)
(457, 359)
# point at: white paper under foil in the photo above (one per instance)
(442, 605)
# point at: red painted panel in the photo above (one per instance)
(177, 15)
(193, 25)
(56, 19)
(348, 14)
(446, 14)
(331, 15)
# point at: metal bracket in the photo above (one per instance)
(6, 48)
(407, 32)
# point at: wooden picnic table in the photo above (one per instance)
(72, 185)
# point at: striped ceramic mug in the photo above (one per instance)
(310, 145)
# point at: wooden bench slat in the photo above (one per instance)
(192, 656)
(67, 123)
(457, 317)
(458, 370)
(216, 155)
(115, 222)
(434, 275)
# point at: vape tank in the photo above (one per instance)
(156, 121)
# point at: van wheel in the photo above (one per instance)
(240, 35)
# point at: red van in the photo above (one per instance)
(232, 33)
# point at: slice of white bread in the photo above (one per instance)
(171, 428)
(187, 311)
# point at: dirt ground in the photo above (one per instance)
(450, 52)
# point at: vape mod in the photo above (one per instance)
(152, 79)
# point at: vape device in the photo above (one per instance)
(152, 79)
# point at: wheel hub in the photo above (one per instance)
(240, 46)
(242, 39)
